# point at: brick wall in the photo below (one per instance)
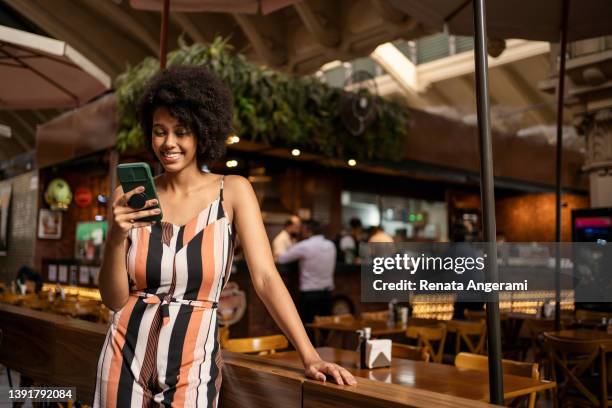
(22, 224)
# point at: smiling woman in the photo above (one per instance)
(164, 280)
(204, 110)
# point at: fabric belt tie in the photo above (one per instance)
(164, 300)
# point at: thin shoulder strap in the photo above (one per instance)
(221, 190)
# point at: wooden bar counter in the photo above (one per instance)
(62, 351)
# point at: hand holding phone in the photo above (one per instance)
(125, 217)
(138, 206)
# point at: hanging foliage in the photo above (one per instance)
(271, 107)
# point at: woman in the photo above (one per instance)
(162, 280)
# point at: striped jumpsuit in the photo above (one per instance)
(162, 346)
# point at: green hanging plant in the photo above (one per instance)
(270, 107)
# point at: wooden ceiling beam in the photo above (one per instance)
(530, 94)
(39, 116)
(321, 18)
(390, 14)
(264, 34)
(15, 133)
(185, 23)
(125, 22)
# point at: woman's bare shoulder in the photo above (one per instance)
(237, 189)
(235, 182)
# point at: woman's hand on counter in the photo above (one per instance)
(318, 370)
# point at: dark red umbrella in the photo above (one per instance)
(220, 6)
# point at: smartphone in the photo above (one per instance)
(132, 175)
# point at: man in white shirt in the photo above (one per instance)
(317, 261)
(287, 237)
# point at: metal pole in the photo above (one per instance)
(163, 37)
(496, 384)
(560, 93)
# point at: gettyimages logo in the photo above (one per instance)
(473, 272)
(413, 264)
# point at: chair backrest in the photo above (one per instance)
(334, 318)
(470, 333)
(591, 316)
(380, 315)
(518, 368)
(261, 345)
(474, 314)
(426, 336)
(584, 355)
(481, 363)
(408, 352)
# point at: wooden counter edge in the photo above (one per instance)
(366, 389)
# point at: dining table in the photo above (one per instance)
(584, 335)
(378, 327)
(440, 378)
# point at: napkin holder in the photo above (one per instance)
(378, 353)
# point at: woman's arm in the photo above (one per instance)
(267, 281)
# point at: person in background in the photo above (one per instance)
(317, 260)
(287, 237)
(461, 248)
(30, 279)
(349, 243)
(377, 234)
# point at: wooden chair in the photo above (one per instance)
(574, 359)
(470, 333)
(536, 329)
(590, 316)
(408, 352)
(382, 315)
(475, 314)
(261, 345)
(481, 363)
(426, 335)
(342, 318)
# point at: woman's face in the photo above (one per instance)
(173, 143)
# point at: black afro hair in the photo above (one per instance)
(199, 100)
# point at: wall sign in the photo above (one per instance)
(83, 197)
(49, 224)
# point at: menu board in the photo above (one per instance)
(84, 275)
(52, 273)
(63, 273)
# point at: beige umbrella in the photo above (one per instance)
(39, 72)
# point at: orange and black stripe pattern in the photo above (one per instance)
(162, 346)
